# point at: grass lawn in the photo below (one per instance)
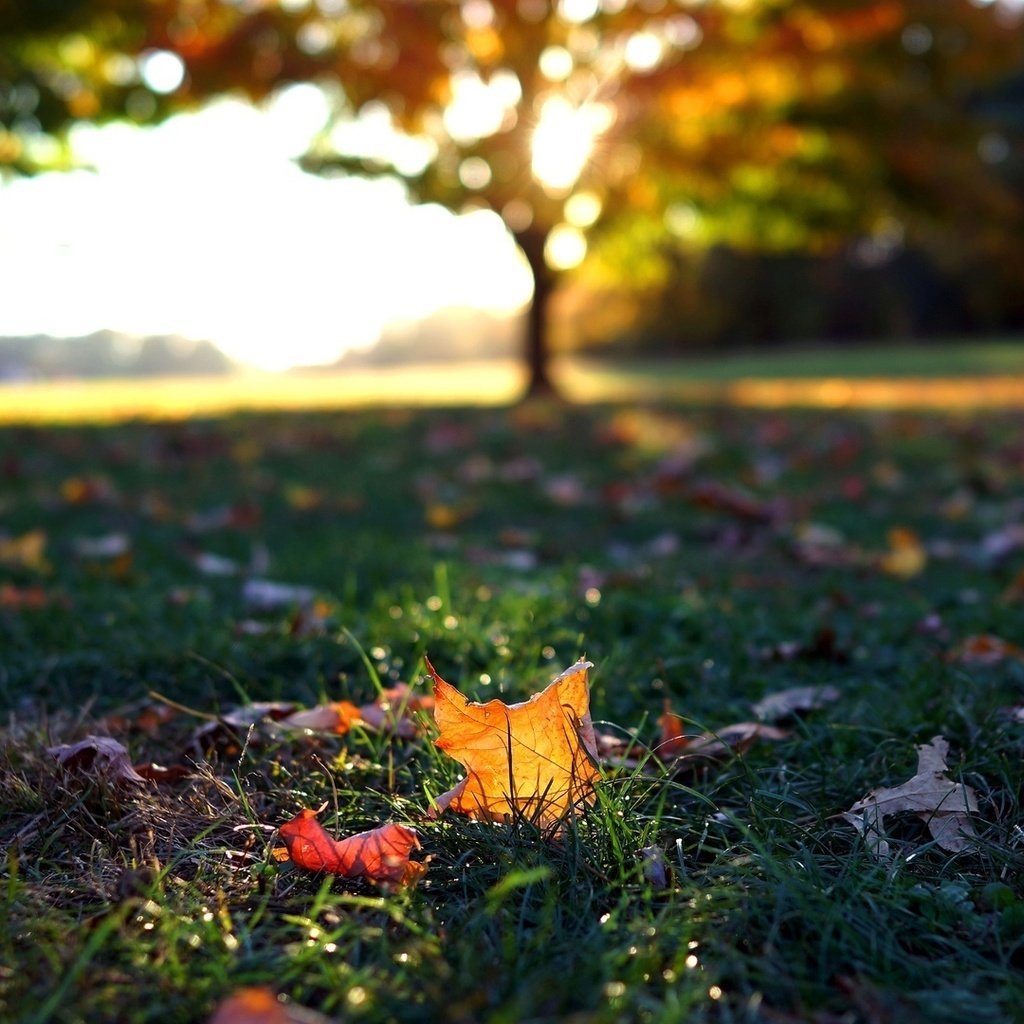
(950, 375)
(700, 556)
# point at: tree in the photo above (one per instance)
(634, 124)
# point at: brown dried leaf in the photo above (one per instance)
(945, 806)
(393, 711)
(729, 741)
(792, 701)
(99, 755)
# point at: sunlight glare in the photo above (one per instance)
(241, 247)
(161, 70)
(566, 247)
(477, 109)
(564, 140)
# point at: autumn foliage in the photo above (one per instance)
(534, 761)
(378, 855)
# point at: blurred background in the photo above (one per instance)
(203, 186)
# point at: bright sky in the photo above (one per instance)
(206, 228)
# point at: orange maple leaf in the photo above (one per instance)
(534, 760)
(259, 1005)
(379, 855)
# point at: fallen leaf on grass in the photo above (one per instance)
(786, 703)
(338, 716)
(984, 649)
(259, 1005)
(268, 595)
(107, 545)
(906, 556)
(98, 755)
(823, 646)
(1015, 591)
(823, 546)
(379, 855)
(733, 501)
(210, 564)
(153, 772)
(393, 711)
(534, 760)
(229, 731)
(655, 869)
(30, 598)
(26, 551)
(945, 806)
(84, 490)
(238, 517)
(729, 741)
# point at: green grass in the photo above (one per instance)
(570, 531)
(942, 358)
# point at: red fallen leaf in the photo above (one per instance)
(23, 598)
(379, 855)
(99, 755)
(535, 759)
(984, 649)
(259, 1005)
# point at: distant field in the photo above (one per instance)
(941, 376)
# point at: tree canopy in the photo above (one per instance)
(624, 125)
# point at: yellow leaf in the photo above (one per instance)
(906, 556)
(534, 760)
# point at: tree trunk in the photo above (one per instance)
(537, 351)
